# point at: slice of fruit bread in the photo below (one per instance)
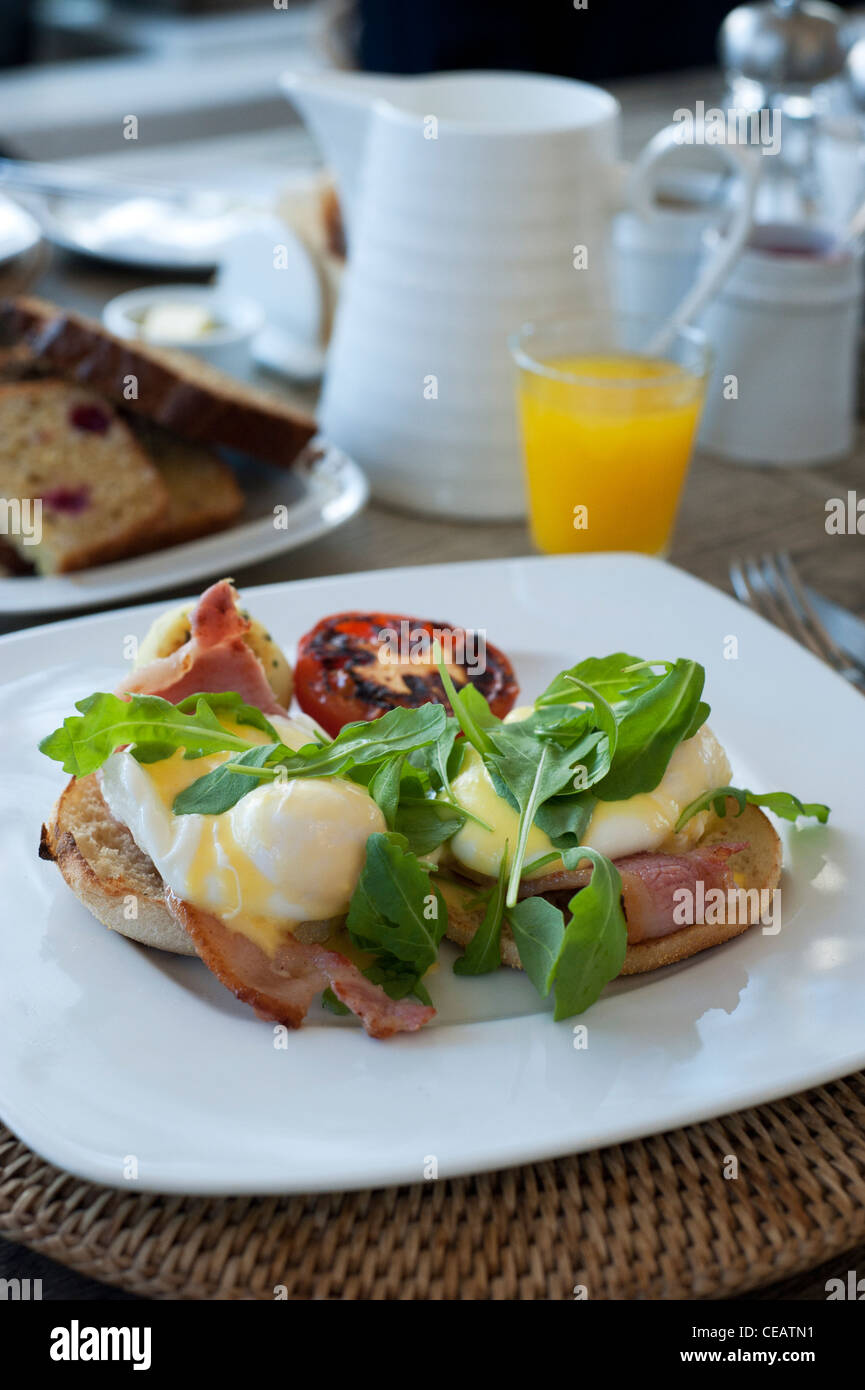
(100, 494)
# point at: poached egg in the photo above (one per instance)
(640, 824)
(287, 852)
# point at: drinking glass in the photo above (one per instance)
(608, 428)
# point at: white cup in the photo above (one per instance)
(785, 330)
(656, 260)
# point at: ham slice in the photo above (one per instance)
(216, 658)
(649, 882)
(281, 988)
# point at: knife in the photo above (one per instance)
(843, 626)
(56, 180)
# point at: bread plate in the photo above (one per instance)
(19, 232)
(323, 489)
(112, 1053)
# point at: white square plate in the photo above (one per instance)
(110, 1052)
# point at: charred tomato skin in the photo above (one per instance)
(337, 676)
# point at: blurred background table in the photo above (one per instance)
(726, 509)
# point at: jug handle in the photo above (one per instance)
(639, 197)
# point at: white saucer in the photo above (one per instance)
(19, 232)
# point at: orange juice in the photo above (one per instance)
(607, 441)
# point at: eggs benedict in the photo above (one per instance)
(202, 817)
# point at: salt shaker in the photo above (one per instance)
(780, 56)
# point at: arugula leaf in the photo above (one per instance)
(205, 705)
(396, 912)
(358, 745)
(553, 857)
(616, 677)
(154, 726)
(701, 714)
(225, 785)
(604, 715)
(783, 804)
(445, 757)
(539, 932)
(651, 725)
(369, 741)
(531, 781)
(651, 712)
(535, 759)
(565, 819)
(471, 710)
(579, 958)
(643, 714)
(384, 787)
(440, 762)
(397, 980)
(595, 940)
(332, 1004)
(425, 824)
(483, 952)
(532, 760)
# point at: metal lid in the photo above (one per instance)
(784, 44)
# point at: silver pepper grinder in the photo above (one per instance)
(776, 57)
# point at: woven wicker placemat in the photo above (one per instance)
(655, 1218)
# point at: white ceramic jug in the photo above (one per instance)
(474, 202)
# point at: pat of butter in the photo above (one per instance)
(176, 323)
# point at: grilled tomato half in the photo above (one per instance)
(354, 666)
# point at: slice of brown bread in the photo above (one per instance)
(203, 493)
(758, 866)
(169, 388)
(100, 494)
(17, 364)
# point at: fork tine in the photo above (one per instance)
(774, 590)
(786, 601)
(737, 578)
(794, 584)
(749, 588)
(834, 654)
(752, 587)
(765, 600)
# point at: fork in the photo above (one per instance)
(772, 587)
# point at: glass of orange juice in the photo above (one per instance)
(607, 429)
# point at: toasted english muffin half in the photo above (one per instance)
(758, 866)
(113, 878)
(104, 867)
